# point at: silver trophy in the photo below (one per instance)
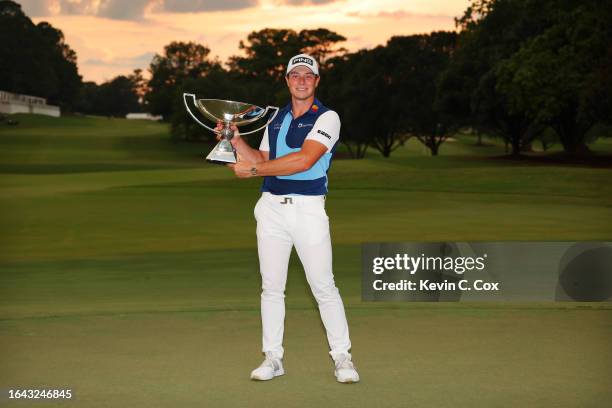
(230, 113)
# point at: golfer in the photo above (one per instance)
(293, 159)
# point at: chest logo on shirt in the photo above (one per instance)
(276, 126)
(324, 134)
(301, 125)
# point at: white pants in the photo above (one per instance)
(284, 221)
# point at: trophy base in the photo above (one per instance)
(219, 156)
(220, 162)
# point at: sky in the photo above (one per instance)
(114, 37)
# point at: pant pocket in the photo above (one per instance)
(314, 224)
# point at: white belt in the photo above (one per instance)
(292, 199)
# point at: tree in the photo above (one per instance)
(139, 85)
(365, 94)
(116, 97)
(268, 50)
(180, 61)
(597, 93)
(386, 95)
(34, 59)
(522, 65)
(86, 101)
(63, 60)
(491, 30)
(373, 109)
(549, 76)
(491, 114)
(337, 91)
(321, 43)
(420, 61)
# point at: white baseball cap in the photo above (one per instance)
(303, 60)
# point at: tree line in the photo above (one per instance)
(520, 70)
(34, 59)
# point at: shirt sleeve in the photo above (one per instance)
(265, 142)
(326, 129)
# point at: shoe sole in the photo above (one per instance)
(348, 381)
(277, 373)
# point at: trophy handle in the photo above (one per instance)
(268, 109)
(193, 102)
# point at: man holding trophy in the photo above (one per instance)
(294, 157)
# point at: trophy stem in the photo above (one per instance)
(227, 132)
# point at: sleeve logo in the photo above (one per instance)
(324, 134)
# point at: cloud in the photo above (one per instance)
(128, 9)
(199, 6)
(37, 8)
(399, 15)
(304, 2)
(123, 10)
(116, 9)
(140, 60)
(75, 8)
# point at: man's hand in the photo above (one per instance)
(233, 127)
(242, 169)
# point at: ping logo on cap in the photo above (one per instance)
(297, 60)
(304, 60)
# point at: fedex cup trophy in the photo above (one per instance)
(229, 113)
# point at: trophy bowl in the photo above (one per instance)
(229, 113)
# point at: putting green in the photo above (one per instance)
(422, 357)
(128, 272)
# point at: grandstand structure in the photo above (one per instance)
(17, 103)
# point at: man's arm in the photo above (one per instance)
(283, 166)
(247, 153)
(321, 139)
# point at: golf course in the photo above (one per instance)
(129, 274)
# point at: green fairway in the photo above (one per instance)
(128, 272)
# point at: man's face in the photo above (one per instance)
(302, 83)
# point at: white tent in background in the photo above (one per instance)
(145, 116)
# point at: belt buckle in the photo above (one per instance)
(288, 200)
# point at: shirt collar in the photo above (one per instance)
(314, 108)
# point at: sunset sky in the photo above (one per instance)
(113, 37)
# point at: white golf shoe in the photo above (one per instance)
(345, 370)
(271, 367)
